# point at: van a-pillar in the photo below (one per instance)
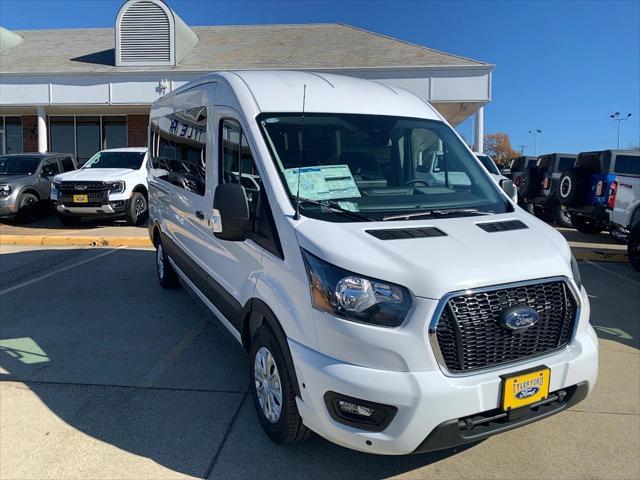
(478, 130)
(42, 130)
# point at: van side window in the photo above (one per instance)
(67, 164)
(178, 149)
(238, 166)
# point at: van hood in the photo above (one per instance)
(465, 257)
(95, 174)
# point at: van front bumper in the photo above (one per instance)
(433, 410)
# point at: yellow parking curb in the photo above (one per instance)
(75, 241)
(602, 256)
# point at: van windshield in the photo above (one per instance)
(380, 165)
(132, 160)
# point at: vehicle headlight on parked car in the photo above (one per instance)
(355, 297)
(117, 187)
(576, 272)
(5, 190)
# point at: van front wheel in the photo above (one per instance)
(273, 396)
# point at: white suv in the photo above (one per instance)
(113, 183)
(386, 308)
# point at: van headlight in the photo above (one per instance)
(117, 187)
(575, 270)
(355, 297)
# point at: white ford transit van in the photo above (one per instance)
(391, 297)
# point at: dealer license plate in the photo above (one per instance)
(524, 388)
(81, 199)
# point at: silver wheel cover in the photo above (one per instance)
(160, 261)
(268, 385)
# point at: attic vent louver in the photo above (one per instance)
(145, 34)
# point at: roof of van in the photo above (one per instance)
(282, 91)
(238, 47)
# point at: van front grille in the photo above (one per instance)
(470, 336)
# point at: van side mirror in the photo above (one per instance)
(231, 218)
(508, 187)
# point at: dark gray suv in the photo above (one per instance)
(25, 180)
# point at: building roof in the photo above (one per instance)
(300, 47)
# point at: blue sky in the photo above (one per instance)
(562, 67)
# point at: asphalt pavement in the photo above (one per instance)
(104, 375)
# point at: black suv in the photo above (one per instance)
(517, 166)
(539, 187)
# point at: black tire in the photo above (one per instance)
(69, 221)
(27, 206)
(287, 427)
(633, 247)
(529, 183)
(167, 276)
(561, 216)
(138, 209)
(586, 225)
(528, 207)
(573, 186)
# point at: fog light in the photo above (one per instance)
(357, 413)
(348, 407)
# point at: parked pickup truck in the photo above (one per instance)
(113, 183)
(540, 187)
(586, 188)
(624, 201)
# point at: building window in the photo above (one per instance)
(62, 134)
(114, 132)
(10, 135)
(87, 138)
(85, 135)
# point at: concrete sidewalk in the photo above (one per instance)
(104, 233)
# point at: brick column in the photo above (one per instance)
(137, 126)
(29, 133)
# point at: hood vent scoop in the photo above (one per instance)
(502, 226)
(402, 233)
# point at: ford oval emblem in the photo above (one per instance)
(527, 392)
(518, 318)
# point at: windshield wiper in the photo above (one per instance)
(336, 208)
(437, 213)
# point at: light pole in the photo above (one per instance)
(535, 134)
(616, 117)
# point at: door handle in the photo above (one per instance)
(200, 215)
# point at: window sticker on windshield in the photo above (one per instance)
(324, 182)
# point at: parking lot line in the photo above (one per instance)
(55, 272)
(624, 277)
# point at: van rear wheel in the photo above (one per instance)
(167, 276)
(272, 392)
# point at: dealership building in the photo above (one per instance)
(81, 90)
